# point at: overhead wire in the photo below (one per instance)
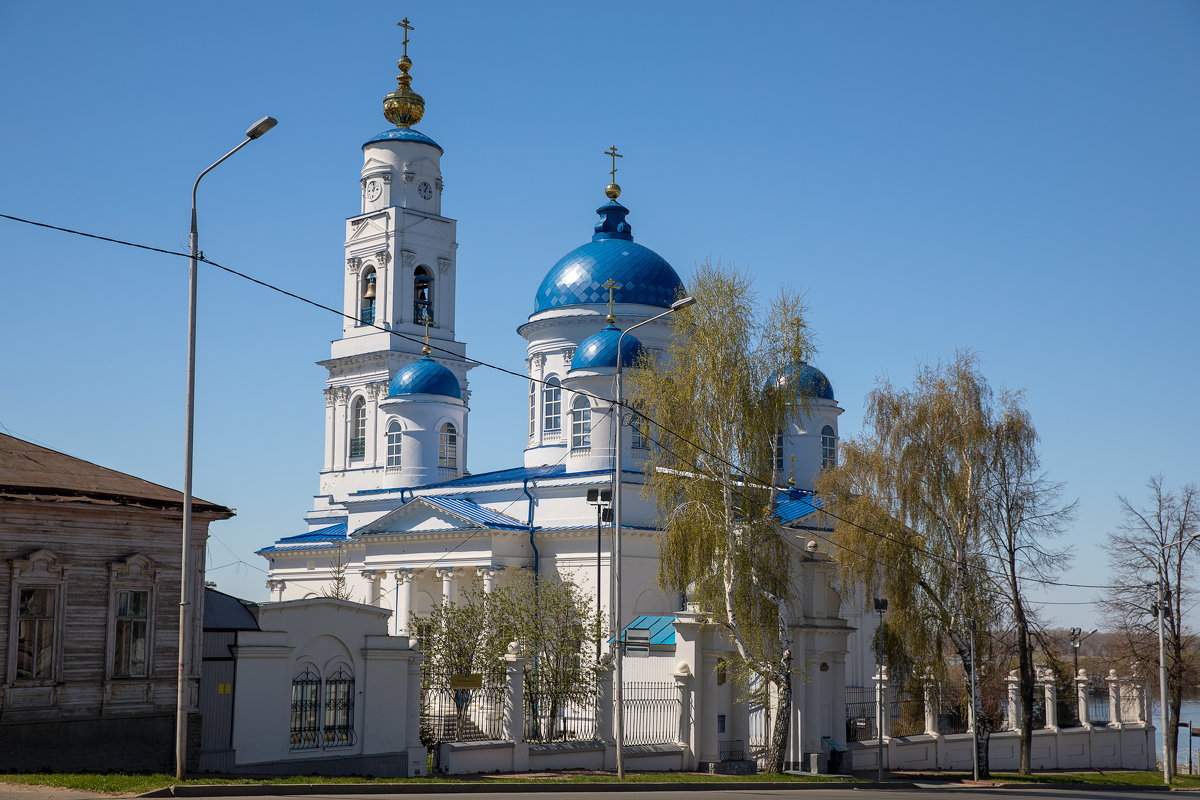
(522, 376)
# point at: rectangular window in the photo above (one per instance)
(532, 408)
(448, 447)
(35, 634)
(581, 427)
(132, 635)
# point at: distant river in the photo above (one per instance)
(1188, 712)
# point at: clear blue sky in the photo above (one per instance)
(1015, 177)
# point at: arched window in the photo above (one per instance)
(306, 705)
(448, 446)
(422, 296)
(358, 428)
(581, 424)
(339, 710)
(640, 431)
(532, 408)
(777, 448)
(394, 436)
(366, 312)
(828, 447)
(552, 407)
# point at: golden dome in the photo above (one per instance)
(612, 191)
(404, 107)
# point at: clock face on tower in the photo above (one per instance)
(425, 190)
(374, 189)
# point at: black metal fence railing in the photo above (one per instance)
(651, 711)
(462, 715)
(732, 749)
(908, 716)
(860, 713)
(558, 720)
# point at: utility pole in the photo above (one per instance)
(881, 605)
(975, 721)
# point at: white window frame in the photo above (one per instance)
(581, 424)
(828, 447)
(552, 401)
(394, 448)
(357, 424)
(448, 445)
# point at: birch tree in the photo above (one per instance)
(1022, 517)
(1155, 541)
(910, 503)
(718, 405)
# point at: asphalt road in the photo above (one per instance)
(749, 792)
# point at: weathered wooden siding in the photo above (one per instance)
(91, 541)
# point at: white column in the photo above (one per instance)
(401, 622)
(275, 586)
(449, 584)
(1114, 699)
(1014, 701)
(1081, 697)
(372, 577)
(488, 575)
(1050, 690)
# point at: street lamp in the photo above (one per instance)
(618, 485)
(881, 605)
(253, 132)
(602, 500)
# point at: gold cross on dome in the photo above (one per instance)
(612, 151)
(792, 477)
(425, 349)
(404, 24)
(612, 286)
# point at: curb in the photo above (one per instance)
(484, 787)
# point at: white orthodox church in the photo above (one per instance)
(398, 511)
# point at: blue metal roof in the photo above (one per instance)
(403, 135)
(425, 376)
(806, 379)
(795, 504)
(507, 475)
(600, 350)
(472, 511)
(662, 627)
(311, 540)
(320, 535)
(644, 276)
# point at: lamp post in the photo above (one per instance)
(602, 500)
(618, 484)
(881, 605)
(1161, 608)
(1077, 638)
(181, 694)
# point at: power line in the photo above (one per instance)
(505, 370)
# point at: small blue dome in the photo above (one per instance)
(425, 376)
(806, 379)
(644, 276)
(600, 350)
(403, 135)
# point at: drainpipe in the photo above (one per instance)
(529, 522)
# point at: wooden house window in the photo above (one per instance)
(132, 634)
(36, 623)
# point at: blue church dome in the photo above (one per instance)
(806, 379)
(644, 276)
(600, 350)
(403, 135)
(425, 376)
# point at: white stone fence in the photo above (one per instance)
(1121, 738)
(660, 727)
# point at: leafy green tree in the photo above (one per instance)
(911, 515)
(549, 618)
(717, 402)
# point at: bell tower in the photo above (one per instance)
(398, 287)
